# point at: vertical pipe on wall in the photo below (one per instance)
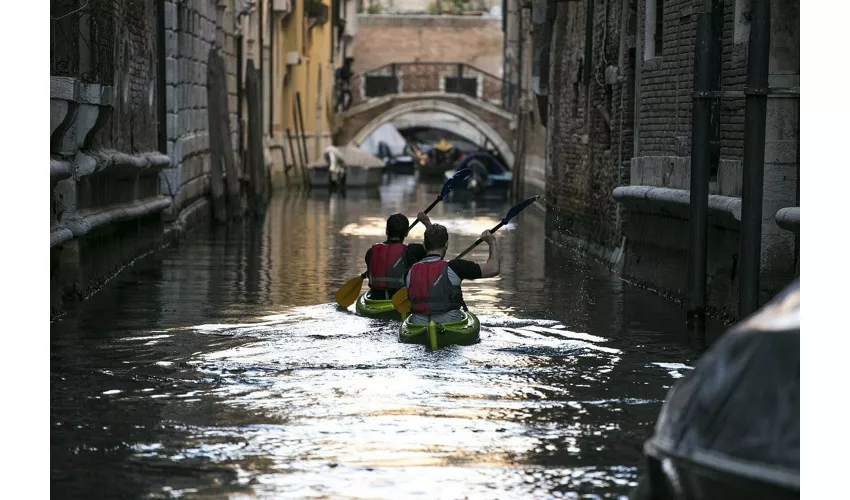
(521, 42)
(271, 74)
(752, 192)
(300, 117)
(261, 70)
(622, 78)
(700, 165)
(588, 44)
(639, 50)
(161, 109)
(239, 94)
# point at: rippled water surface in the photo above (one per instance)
(220, 369)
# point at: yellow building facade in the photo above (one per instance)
(303, 43)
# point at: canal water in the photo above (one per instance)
(221, 369)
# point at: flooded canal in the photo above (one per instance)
(221, 369)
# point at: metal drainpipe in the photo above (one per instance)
(239, 83)
(588, 48)
(259, 58)
(754, 138)
(622, 78)
(520, 72)
(162, 112)
(271, 73)
(704, 87)
(519, 109)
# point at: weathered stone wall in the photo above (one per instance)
(381, 40)
(191, 29)
(105, 201)
(133, 123)
(590, 142)
(110, 186)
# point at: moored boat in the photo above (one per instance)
(348, 167)
(438, 335)
(731, 428)
(376, 308)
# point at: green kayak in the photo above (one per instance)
(379, 309)
(438, 335)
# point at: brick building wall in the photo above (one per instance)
(590, 124)
(632, 126)
(666, 83)
(422, 6)
(381, 40)
(587, 144)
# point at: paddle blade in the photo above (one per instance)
(348, 293)
(450, 184)
(519, 207)
(401, 302)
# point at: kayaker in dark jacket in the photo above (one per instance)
(388, 262)
(433, 284)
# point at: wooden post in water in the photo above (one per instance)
(292, 151)
(215, 116)
(301, 125)
(256, 160)
(221, 147)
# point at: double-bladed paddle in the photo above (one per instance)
(401, 302)
(350, 290)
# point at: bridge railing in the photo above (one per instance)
(449, 78)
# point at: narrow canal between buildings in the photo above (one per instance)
(221, 369)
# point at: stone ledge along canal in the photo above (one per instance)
(222, 369)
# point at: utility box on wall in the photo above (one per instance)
(282, 6)
(293, 58)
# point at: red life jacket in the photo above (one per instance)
(430, 290)
(386, 266)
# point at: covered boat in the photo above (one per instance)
(347, 166)
(440, 158)
(398, 154)
(731, 428)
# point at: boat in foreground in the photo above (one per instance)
(376, 308)
(730, 429)
(437, 335)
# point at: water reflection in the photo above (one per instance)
(221, 369)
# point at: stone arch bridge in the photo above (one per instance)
(457, 98)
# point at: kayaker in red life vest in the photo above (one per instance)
(388, 262)
(433, 284)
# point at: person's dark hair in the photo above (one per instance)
(397, 226)
(436, 236)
